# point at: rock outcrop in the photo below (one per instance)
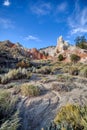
(61, 45)
(17, 51)
(35, 54)
(48, 50)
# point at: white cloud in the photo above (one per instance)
(32, 38)
(6, 23)
(6, 3)
(62, 7)
(41, 8)
(78, 20)
(79, 30)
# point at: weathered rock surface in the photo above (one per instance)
(35, 54)
(61, 45)
(9, 50)
(50, 50)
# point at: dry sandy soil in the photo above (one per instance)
(37, 112)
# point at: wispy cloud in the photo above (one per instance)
(78, 20)
(32, 38)
(6, 23)
(62, 7)
(41, 8)
(6, 3)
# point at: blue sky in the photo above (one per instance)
(38, 23)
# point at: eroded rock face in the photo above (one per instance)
(18, 51)
(35, 54)
(61, 45)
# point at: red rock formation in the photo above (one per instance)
(74, 50)
(19, 51)
(35, 54)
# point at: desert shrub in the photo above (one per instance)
(15, 74)
(11, 124)
(45, 80)
(82, 66)
(55, 69)
(66, 87)
(30, 90)
(73, 115)
(57, 64)
(23, 64)
(65, 69)
(10, 85)
(83, 72)
(60, 57)
(73, 70)
(4, 80)
(63, 78)
(74, 58)
(7, 105)
(44, 70)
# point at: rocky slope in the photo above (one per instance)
(11, 53)
(66, 50)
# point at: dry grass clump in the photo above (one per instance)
(83, 72)
(30, 90)
(64, 87)
(72, 115)
(11, 124)
(64, 78)
(7, 109)
(65, 69)
(14, 75)
(44, 70)
(7, 103)
(76, 69)
(73, 70)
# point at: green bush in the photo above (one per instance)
(30, 90)
(60, 57)
(74, 58)
(81, 42)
